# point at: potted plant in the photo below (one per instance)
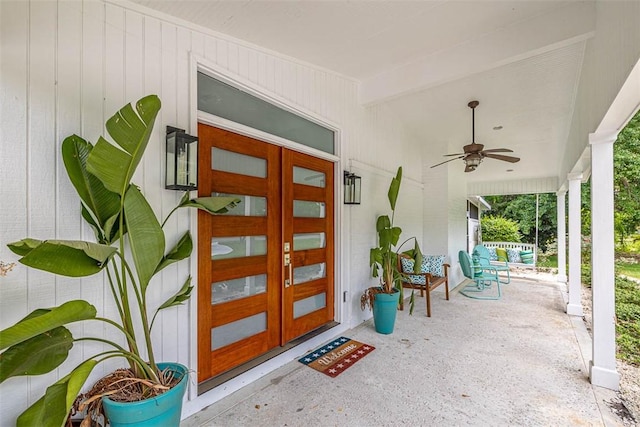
(383, 299)
(130, 250)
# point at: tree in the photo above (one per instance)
(499, 229)
(522, 210)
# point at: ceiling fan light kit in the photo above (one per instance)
(474, 153)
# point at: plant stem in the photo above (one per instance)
(120, 328)
(169, 216)
(126, 309)
(141, 298)
(147, 333)
(115, 294)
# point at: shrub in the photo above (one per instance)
(628, 320)
(499, 229)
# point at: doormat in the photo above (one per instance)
(334, 358)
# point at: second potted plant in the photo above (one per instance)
(383, 299)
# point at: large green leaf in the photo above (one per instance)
(180, 251)
(417, 265)
(24, 246)
(103, 203)
(145, 235)
(394, 189)
(382, 223)
(74, 258)
(43, 321)
(38, 355)
(375, 260)
(48, 411)
(131, 130)
(181, 296)
(389, 237)
(52, 409)
(213, 205)
(395, 235)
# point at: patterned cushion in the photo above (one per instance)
(514, 255)
(501, 253)
(526, 257)
(407, 267)
(493, 255)
(435, 264)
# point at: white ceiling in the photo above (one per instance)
(427, 59)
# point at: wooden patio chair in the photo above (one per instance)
(424, 281)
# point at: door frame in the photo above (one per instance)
(199, 64)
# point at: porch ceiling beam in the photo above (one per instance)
(561, 27)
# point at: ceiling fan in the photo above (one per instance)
(474, 153)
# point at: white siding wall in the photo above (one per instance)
(520, 186)
(445, 215)
(457, 224)
(65, 67)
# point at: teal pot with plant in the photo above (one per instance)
(385, 308)
(160, 411)
(129, 249)
(383, 299)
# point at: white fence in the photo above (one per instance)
(515, 245)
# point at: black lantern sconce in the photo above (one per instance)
(182, 160)
(352, 187)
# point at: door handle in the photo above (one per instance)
(287, 263)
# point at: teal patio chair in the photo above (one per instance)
(482, 277)
(482, 256)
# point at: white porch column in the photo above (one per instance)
(562, 236)
(574, 306)
(603, 366)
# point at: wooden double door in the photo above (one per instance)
(266, 267)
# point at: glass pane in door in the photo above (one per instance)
(308, 305)
(308, 273)
(238, 246)
(304, 209)
(238, 330)
(304, 241)
(243, 164)
(248, 206)
(310, 177)
(229, 290)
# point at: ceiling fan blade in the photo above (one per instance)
(469, 168)
(447, 161)
(498, 150)
(456, 154)
(509, 159)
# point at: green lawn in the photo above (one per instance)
(631, 270)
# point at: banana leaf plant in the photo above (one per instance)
(384, 257)
(129, 248)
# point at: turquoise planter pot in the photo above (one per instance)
(160, 411)
(385, 307)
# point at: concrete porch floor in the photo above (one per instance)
(518, 361)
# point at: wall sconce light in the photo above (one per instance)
(352, 187)
(182, 160)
